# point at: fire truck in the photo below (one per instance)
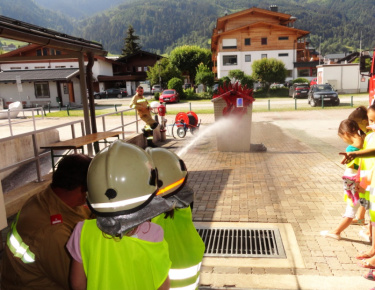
(367, 68)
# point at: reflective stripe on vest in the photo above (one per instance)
(188, 287)
(179, 274)
(141, 100)
(18, 248)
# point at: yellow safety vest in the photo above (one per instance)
(129, 263)
(186, 248)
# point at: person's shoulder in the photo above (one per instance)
(150, 232)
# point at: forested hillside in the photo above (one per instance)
(28, 11)
(79, 8)
(165, 24)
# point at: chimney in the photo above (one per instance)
(274, 8)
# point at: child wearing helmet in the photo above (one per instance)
(186, 247)
(121, 249)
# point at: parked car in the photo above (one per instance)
(169, 96)
(313, 82)
(325, 92)
(156, 89)
(111, 93)
(299, 90)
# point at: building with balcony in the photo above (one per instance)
(252, 34)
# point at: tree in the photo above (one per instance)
(237, 75)
(131, 43)
(176, 84)
(269, 70)
(165, 69)
(187, 58)
(204, 76)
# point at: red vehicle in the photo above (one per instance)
(313, 82)
(169, 96)
(370, 72)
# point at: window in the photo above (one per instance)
(45, 51)
(247, 41)
(283, 37)
(283, 54)
(65, 87)
(60, 66)
(38, 67)
(229, 43)
(145, 68)
(229, 59)
(264, 41)
(41, 89)
(139, 68)
(247, 58)
(263, 56)
(15, 67)
(39, 52)
(303, 72)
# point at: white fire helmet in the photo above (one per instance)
(171, 170)
(121, 180)
(154, 106)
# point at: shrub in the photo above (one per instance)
(205, 96)
(156, 96)
(301, 80)
(190, 94)
(176, 84)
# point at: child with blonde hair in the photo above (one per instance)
(359, 115)
(350, 133)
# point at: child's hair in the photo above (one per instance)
(371, 108)
(350, 127)
(358, 114)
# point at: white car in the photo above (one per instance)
(156, 89)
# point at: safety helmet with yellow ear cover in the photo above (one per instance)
(121, 179)
(171, 170)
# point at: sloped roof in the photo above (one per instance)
(62, 74)
(140, 52)
(220, 22)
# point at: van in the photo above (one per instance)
(156, 89)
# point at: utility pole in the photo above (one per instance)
(320, 48)
(159, 73)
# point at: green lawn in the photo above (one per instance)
(260, 105)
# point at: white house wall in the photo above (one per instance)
(102, 67)
(223, 70)
(9, 93)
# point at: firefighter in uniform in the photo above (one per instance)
(139, 103)
(35, 256)
(121, 248)
(186, 247)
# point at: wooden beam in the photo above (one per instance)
(10, 59)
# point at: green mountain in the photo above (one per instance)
(28, 11)
(79, 9)
(335, 25)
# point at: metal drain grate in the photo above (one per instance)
(240, 242)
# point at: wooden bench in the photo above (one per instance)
(79, 143)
